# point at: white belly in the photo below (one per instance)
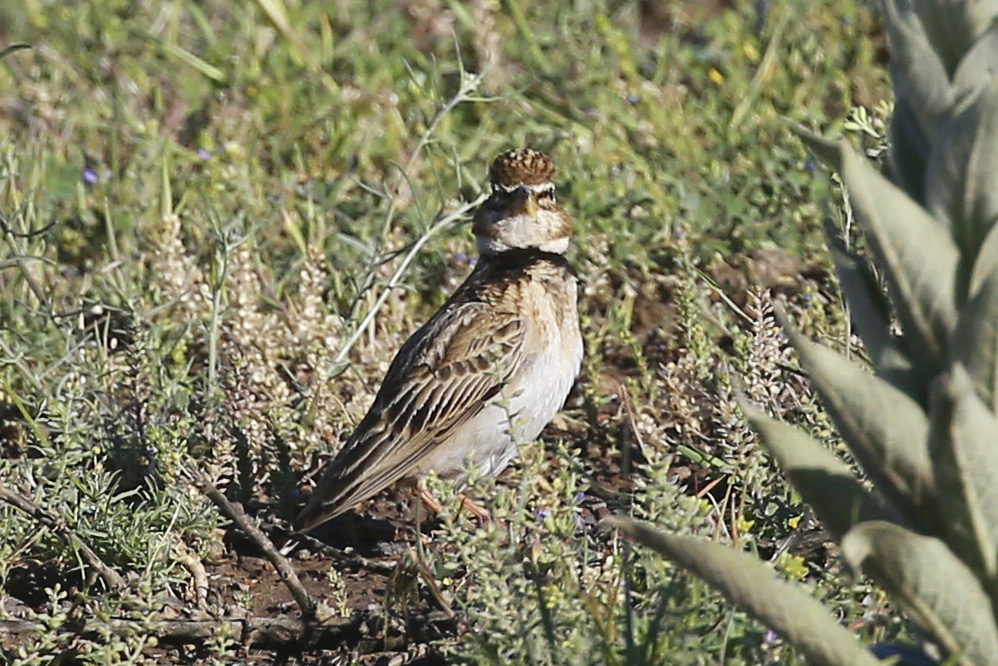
(490, 440)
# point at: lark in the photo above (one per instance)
(489, 370)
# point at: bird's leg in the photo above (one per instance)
(480, 512)
(434, 505)
(431, 502)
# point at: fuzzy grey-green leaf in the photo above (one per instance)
(825, 482)
(963, 446)
(952, 27)
(931, 584)
(869, 311)
(978, 67)
(910, 150)
(914, 250)
(975, 341)
(922, 96)
(753, 586)
(884, 427)
(827, 150)
(918, 74)
(962, 172)
(986, 262)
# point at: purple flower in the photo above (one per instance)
(90, 176)
(770, 637)
(632, 99)
(810, 166)
(542, 514)
(204, 154)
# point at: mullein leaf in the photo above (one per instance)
(828, 485)
(978, 67)
(916, 253)
(962, 172)
(921, 97)
(870, 313)
(918, 74)
(885, 428)
(952, 27)
(928, 581)
(975, 340)
(963, 449)
(755, 587)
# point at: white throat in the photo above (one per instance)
(491, 247)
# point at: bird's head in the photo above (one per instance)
(522, 212)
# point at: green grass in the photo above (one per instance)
(201, 202)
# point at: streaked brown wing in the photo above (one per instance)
(442, 376)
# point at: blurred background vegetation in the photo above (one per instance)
(201, 202)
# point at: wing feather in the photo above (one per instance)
(441, 377)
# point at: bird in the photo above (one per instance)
(488, 370)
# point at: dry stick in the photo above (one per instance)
(234, 512)
(57, 524)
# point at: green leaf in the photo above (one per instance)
(754, 587)
(883, 426)
(921, 97)
(975, 340)
(962, 172)
(928, 580)
(916, 253)
(919, 75)
(963, 450)
(827, 150)
(952, 27)
(869, 311)
(978, 66)
(909, 151)
(986, 262)
(826, 483)
(188, 58)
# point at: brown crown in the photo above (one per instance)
(523, 166)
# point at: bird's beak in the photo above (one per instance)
(527, 203)
(530, 205)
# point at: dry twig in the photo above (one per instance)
(234, 512)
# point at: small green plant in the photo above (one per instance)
(922, 518)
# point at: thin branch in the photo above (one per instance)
(57, 524)
(234, 512)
